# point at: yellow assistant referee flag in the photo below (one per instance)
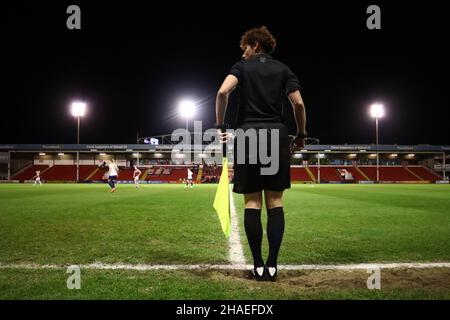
(222, 199)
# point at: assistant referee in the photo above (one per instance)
(263, 84)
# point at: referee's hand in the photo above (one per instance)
(224, 137)
(297, 144)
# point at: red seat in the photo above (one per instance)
(175, 174)
(389, 173)
(425, 174)
(299, 174)
(29, 172)
(326, 173)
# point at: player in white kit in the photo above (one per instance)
(38, 178)
(189, 178)
(112, 174)
(136, 175)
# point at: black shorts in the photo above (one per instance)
(248, 177)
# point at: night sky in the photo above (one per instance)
(132, 63)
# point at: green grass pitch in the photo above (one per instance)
(66, 224)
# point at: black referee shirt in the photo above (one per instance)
(263, 84)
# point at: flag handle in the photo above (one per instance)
(224, 147)
(223, 129)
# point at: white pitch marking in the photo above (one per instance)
(236, 252)
(149, 267)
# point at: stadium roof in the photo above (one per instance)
(153, 148)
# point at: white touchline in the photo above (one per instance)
(149, 267)
(236, 251)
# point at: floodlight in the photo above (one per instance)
(78, 108)
(377, 110)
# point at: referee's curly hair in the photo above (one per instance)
(259, 35)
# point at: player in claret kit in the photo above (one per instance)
(38, 178)
(136, 175)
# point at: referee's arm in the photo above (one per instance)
(227, 87)
(299, 112)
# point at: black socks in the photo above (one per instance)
(254, 231)
(275, 230)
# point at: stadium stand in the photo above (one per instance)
(170, 173)
(389, 173)
(299, 174)
(99, 174)
(211, 174)
(369, 171)
(29, 172)
(357, 174)
(67, 172)
(397, 174)
(86, 171)
(60, 173)
(125, 173)
(425, 173)
(327, 173)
